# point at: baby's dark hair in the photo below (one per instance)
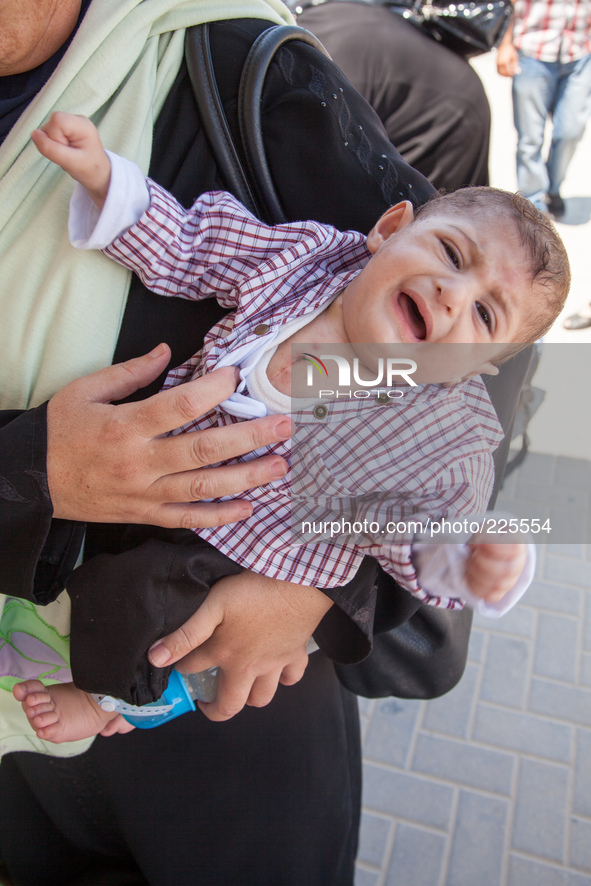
(548, 260)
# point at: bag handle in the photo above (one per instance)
(213, 117)
(250, 98)
(254, 187)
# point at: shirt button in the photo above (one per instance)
(320, 411)
(382, 398)
(261, 329)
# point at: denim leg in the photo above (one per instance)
(569, 117)
(534, 89)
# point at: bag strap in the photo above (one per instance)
(213, 117)
(250, 99)
(254, 187)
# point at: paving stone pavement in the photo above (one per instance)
(491, 784)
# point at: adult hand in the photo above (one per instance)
(255, 628)
(507, 60)
(109, 463)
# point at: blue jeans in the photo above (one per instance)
(563, 92)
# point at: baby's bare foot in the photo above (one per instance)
(63, 712)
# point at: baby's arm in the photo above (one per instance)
(73, 143)
(490, 578)
(454, 569)
(175, 251)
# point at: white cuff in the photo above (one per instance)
(441, 573)
(127, 200)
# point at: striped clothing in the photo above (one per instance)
(427, 454)
(553, 30)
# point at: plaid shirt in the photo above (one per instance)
(553, 30)
(428, 454)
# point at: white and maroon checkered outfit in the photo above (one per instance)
(428, 454)
(553, 30)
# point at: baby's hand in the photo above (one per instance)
(73, 143)
(493, 569)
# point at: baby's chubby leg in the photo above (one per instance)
(73, 142)
(63, 712)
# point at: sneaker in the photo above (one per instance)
(555, 205)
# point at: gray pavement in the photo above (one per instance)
(491, 784)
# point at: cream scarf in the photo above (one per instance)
(61, 309)
(65, 307)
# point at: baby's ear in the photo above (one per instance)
(392, 221)
(486, 369)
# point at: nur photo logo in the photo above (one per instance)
(349, 372)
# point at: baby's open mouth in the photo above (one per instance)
(413, 316)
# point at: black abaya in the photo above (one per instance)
(430, 100)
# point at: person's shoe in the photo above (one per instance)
(578, 321)
(556, 205)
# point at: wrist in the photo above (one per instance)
(310, 602)
(98, 185)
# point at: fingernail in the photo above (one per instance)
(158, 654)
(284, 429)
(158, 351)
(278, 469)
(245, 511)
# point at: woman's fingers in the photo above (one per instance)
(195, 631)
(294, 671)
(263, 690)
(108, 463)
(233, 693)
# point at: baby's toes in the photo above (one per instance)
(38, 702)
(33, 711)
(41, 719)
(22, 690)
(52, 732)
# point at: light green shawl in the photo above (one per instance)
(61, 309)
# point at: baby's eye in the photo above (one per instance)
(484, 315)
(452, 255)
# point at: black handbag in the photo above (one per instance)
(419, 651)
(469, 28)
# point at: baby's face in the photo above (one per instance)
(448, 277)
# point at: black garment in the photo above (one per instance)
(429, 99)
(269, 798)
